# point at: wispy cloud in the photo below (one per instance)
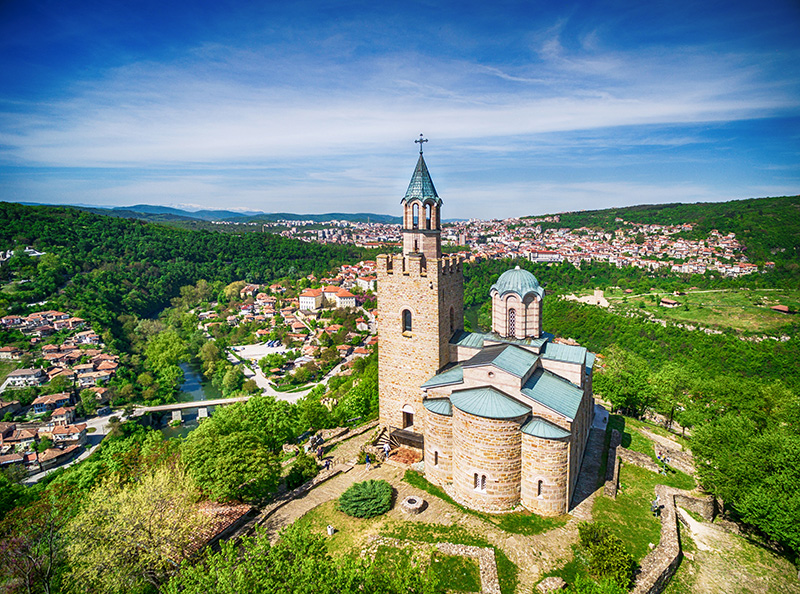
(323, 117)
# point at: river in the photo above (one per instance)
(194, 387)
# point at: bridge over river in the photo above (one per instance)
(176, 408)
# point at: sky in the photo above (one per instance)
(529, 107)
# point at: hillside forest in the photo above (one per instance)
(736, 400)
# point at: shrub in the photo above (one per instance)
(303, 469)
(606, 554)
(366, 499)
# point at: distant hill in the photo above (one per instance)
(153, 213)
(768, 227)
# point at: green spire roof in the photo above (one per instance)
(519, 281)
(421, 185)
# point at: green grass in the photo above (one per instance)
(629, 516)
(506, 570)
(737, 309)
(6, 367)
(352, 533)
(459, 574)
(514, 522)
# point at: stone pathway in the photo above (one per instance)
(588, 479)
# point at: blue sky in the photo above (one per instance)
(530, 107)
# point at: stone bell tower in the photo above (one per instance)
(420, 305)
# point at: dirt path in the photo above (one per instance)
(725, 562)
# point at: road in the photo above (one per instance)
(100, 424)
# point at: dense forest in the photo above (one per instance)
(100, 268)
(740, 399)
(769, 227)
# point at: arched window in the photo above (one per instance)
(416, 245)
(512, 322)
(427, 216)
(476, 484)
(415, 216)
(483, 482)
(479, 481)
(406, 320)
(436, 458)
(539, 488)
(452, 320)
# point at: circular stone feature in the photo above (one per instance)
(412, 505)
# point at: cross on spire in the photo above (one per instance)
(420, 140)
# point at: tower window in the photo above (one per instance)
(406, 320)
(427, 216)
(512, 322)
(415, 216)
(539, 488)
(479, 482)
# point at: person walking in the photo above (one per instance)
(367, 461)
(386, 449)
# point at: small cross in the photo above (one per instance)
(420, 141)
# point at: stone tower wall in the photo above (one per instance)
(545, 460)
(408, 359)
(438, 439)
(487, 447)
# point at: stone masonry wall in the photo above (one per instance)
(612, 466)
(487, 447)
(438, 438)
(544, 460)
(407, 359)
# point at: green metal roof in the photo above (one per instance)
(421, 185)
(489, 403)
(440, 406)
(539, 427)
(519, 281)
(451, 375)
(553, 392)
(508, 357)
(472, 340)
(534, 342)
(564, 352)
(590, 358)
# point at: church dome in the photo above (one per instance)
(518, 281)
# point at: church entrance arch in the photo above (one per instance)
(408, 416)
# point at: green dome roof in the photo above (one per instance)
(517, 281)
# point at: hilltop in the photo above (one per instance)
(768, 227)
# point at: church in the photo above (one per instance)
(502, 417)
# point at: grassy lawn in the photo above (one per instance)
(6, 367)
(629, 517)
(459, 574)
(738, 309)
(352, 534)
(515, 522)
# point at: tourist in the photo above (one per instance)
(386, 449)
(327, 463)
(367, 462)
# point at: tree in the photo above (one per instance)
(233, 466)
(128, 536)
(89, 401)
(31, 544)
(44, 444)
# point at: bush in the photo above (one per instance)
(366, 499)
(606, 554)
(303, 469)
